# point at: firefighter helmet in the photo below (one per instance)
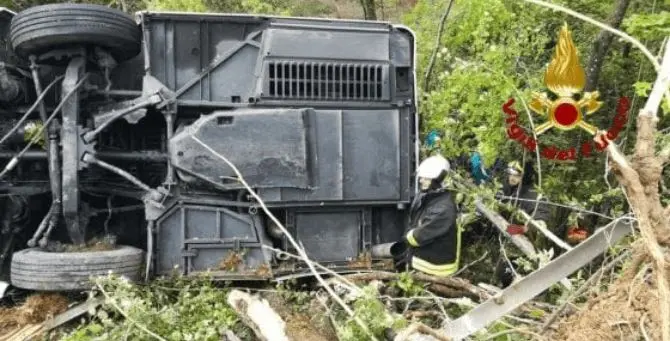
(515, 168)
(433, 167)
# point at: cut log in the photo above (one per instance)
(257, 314)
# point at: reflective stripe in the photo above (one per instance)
(410, 238)
(435, 269)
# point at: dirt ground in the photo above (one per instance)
(311, 324)
(628, 311)
(36, 309)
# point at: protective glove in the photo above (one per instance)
(515, 229)
(577, 234)
(401, 254)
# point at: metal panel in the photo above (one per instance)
(328, 169)
(330, 236)
(198, 238)
(371, 159)
(268, 146)
(327, 44)
(359, 158)
(203, 60)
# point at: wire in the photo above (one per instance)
(122, 173)
(89, 136)
(15, 160)
(30, 111)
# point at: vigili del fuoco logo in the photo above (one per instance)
(565, 78)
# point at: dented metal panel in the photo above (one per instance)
(268, 146)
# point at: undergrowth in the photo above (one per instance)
(177, 308)
(182, 309)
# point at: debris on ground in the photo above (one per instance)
(103, 243)
(36, 309)
(626, 311)
(307, 322)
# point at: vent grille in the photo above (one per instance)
(325, 81)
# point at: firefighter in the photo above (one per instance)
(518, 191)
(432, 244)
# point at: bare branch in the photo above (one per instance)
(605, 27)
(660, 86)
(635, 42)
(289, 237)
(588, 284)
(440, 31)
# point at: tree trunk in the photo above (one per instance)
(602, 45)
(640, 178)
(369, 9)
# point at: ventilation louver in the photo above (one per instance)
(325, 81)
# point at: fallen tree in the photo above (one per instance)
(640, 175)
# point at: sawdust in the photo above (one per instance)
(617, 314)
(36, 309)
(312, 323)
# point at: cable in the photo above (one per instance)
(15, 160)
(137, 182)
(30, 111)
(88, 137)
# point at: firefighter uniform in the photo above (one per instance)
(435, 240)
(432, 244)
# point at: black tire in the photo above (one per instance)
(36, 269)
(42, 28)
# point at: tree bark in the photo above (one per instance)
(369, 9)
(640, 178)
(602, 45)
(257, 314)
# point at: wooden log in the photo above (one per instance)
(257, 314)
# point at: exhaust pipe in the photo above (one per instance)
(382, 250)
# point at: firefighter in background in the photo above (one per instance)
(518, 191)
(432, 244)
(433, 143)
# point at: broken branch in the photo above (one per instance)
(257, 314)
(289, 237)
(449, 282)
(586, 286)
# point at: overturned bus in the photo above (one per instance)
(119, 133)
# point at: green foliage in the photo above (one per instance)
(176, 309)
(408, 285)
(270, 7)
(492, 50)
(177, 5)
(372, 312)
(648, 26)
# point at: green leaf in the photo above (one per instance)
(642, 89)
